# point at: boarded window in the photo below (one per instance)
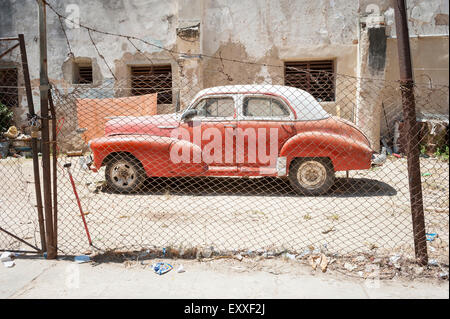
(152, 79)
(8, 87)
(315, 77)
(83, 74)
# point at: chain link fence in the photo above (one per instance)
(19, 228)
(255, 168)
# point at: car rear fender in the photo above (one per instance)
(344, 152)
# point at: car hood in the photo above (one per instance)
(152, 125)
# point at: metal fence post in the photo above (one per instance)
(412, 131)
(44, 87)
(37, 181)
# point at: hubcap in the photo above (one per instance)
(123, 174)
(311, 174)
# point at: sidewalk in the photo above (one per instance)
(38, 278)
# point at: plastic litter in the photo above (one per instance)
(6, 259)
(426, 174)
(432, 262)
(379, 159)
(82, 259)
(289, 256)
(162, 268)
(181, 269)
(443, 275)
(431, 236)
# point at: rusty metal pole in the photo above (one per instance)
(54, 170)
(412, 131)
(37, 180)
(44, 87)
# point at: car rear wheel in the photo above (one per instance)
(311, 176)
(124, 174)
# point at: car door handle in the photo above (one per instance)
(230, 125)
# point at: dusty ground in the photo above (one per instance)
(367, 214)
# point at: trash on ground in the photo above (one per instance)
(6, 259)
(319, 260)
(426, 174)
(350, 266)
(431, 236)
(397, 155)
(395, 258)
(162, 268)
(379, 159)
(289, 256)
(360, 259)
(443, 275)
(12, 132)
(82, 259)
(238, 257)
(432, 262)
(181, 269)
(304, 253)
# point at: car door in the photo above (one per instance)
(265, 123)
(214, 129)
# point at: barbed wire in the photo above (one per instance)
(100, 55)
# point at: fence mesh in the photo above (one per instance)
(18, 216)
(258, 167)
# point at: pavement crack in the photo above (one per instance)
(30, 285)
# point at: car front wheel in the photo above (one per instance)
(311, 176)
(124, 174)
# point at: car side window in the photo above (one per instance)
(215, 107)
(264, 107)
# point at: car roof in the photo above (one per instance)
(303, 103)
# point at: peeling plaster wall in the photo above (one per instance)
(261, 31)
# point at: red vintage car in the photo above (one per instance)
(241, 130)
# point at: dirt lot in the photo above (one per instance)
(368, 213)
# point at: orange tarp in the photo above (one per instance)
(93, 113)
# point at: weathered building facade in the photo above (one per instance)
(351, 38)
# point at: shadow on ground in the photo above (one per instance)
(265, 186)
